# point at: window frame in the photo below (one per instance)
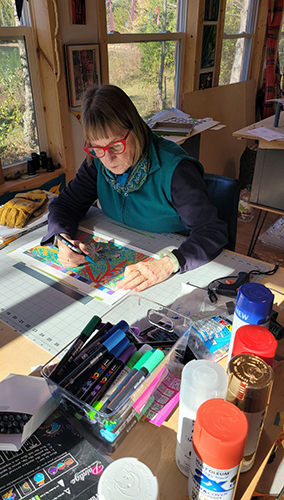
(249, 34)
(26, 33)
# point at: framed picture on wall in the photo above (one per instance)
(82, 70)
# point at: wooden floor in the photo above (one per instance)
(261, 251)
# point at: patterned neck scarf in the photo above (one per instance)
(136, 178)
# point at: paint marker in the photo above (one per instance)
(127, 378)
(100, 388)
(79, 371)
(136, 380)
(100, 337)
(74, 249)
(98, 404)
(97, 372)
(63, 366)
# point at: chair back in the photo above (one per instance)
(224, 194)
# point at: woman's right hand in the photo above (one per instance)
(66, 256)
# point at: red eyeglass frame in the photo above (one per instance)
(106, 148)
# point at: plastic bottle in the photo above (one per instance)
(245, 211)
(200, 380)
(249, 389)
(127, 478)
(257, 340)
(219, 438)
(253, 307)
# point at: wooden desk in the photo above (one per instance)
(243, 133)
(268, 178)
(152, 445)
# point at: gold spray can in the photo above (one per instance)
(249, 388)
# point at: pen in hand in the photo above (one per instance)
(73, 248)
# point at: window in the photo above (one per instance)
(145, 41)
(239, 29)
(21, 110)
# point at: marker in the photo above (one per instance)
(73, 248)
(63, 366)
(98, 372)
(101, 335)
(100, 388)
(136, 380)
(99, 403)
(79, 372)
(127, 378)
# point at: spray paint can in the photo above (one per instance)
(253, 307)
(249, 389)
(257, 340)
(200, 380)
(219, 437)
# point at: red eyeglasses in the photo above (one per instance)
(115, 148)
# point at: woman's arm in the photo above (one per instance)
(208, 234)
(66, 211)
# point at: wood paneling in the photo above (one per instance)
(232, 105)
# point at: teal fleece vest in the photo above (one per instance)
(150, 207)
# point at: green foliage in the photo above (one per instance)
(6, 13)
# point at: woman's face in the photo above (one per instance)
(117, 163)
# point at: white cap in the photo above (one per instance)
(127, 478)
(202, 380)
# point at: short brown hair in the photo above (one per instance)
(108, 106)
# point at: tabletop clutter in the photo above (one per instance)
(108, 378)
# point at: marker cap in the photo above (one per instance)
(127, 478)
(142, 360)
(120, 347)
(112, 341)
(124, 357)
(219, 434)
(154, 360)
(257, 340)
(133, 360)
(254, 301)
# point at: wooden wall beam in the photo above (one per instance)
(44, 21)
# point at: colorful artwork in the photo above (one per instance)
(98, 279)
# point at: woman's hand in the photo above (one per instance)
(138, 277)
(67, 257)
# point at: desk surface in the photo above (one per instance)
(154, 446)
(267, 123)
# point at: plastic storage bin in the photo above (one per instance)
(140, 313)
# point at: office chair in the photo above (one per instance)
(224, 194)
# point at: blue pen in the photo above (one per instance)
(73, 248)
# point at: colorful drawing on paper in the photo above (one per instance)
(99, 279)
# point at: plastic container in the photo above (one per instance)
(245, 211)
(128, 478)
(253, 307)
(249, 388)
(140, 313)
(257, 340)
(200, 380)
(219, 438)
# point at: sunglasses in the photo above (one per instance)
(115, 148)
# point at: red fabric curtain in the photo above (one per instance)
(274, 23)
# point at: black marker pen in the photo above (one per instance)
(63, 366)
(78, 374)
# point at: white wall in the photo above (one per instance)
(77, 34)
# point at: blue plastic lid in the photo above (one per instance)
(254, 303)
(115, 338)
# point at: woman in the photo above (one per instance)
(141, 180)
